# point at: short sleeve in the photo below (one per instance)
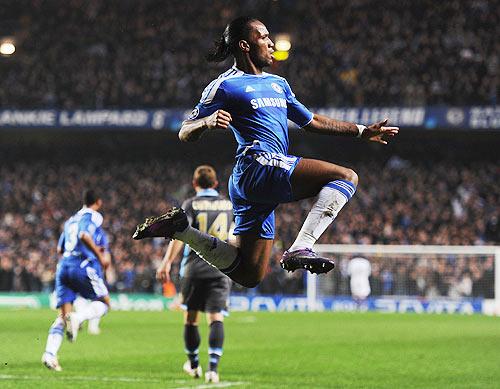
(87, 225)
(60, 242)
(212, 99)
(296, 111)
(187, 206)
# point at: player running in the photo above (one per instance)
(101, 240)
(204, 288)
(256, 105)
(78, 272)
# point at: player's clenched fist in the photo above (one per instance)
(163, 272)
(219, 119)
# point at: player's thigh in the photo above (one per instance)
(263, 178)
(64, 291)
(255, 252)
(106, 300)
(310, 175)
(65, 309)
(193, 294)
(217, 295)
(88, 281)
(191, 317)
(211, 317)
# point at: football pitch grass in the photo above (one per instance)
(262, 350)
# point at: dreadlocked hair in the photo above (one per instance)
(227, 44)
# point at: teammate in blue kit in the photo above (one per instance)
(255, 106)
(79, 271)
(101, 240)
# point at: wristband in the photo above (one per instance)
(361, 128)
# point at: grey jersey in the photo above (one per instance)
(211, 213)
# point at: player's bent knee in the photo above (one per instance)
(351, 176)
(211, 317)
(250, 283)
(252, 280)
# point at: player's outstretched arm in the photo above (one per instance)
(377, 132)
(192, 130)
(173, 250)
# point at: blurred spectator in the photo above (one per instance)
(359, 270)
(6, 274)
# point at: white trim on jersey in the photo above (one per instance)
(97, 282)
(210, 91)
(276, 160)
(95, 216)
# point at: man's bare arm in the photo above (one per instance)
(173, 250)
(377, 132)
(87, 241)
(321, 124)
(192, 130)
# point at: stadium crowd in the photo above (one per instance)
(121, 54)
(398, 202)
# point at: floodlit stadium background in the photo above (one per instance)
(92, 94)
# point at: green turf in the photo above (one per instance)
(262, 350)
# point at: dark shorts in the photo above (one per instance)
(209, 295)
(259, 183)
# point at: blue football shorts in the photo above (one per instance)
(259, 183)
(75, 276)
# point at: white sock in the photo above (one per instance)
(94, 310)
(331, 199)
(216, 252)
(55, 337)
(94, 324)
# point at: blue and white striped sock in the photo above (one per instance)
(55, 337)
(332, 197)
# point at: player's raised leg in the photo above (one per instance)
(245, 264)
(95, 310)
(93, 326)
(334, 185)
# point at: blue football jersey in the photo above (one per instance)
(85, 220)
(259, 106)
